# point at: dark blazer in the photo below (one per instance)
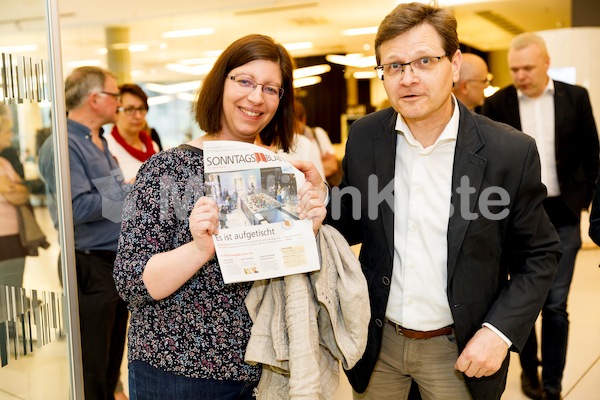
(594, 230)
(481, 252)
(576, 138)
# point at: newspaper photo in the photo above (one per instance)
(260, 235)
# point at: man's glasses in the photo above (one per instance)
(132, 110)
(397, 69)
(487, 81)
(270, 90)
(116, 96)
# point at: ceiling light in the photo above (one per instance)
(191, 97)
(213, 53)
(310, 80)
(298, 46)
(136, 48)
(152, 101)
(304, 72)
(449, 3)
(83, 63)
(364, 75)
(188, 33)
(19, 49)
(174, 88)
(352, 60)
(198, 61)
(189, 69)
(490, 90)
(371, 30)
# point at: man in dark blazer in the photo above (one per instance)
(559, 117)
(447, 205)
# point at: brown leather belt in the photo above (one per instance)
(409, 333)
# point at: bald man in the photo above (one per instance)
(474, 77)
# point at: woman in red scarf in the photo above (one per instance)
(128, 142)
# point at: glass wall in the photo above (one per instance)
(36, 356)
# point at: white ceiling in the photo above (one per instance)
(84, 22)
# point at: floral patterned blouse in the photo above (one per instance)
(202, 329)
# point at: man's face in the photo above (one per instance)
(529, 69)
(419, 94)
(110, 100)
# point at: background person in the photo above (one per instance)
(594, 230)
(302, 147)
(128, 141)
(437, 258)
(154, 135)
(171, 278)
(92, 98)
(321, 145)
(559, 117)
(12, 194)
(474, 77)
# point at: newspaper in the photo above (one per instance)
(260, 235)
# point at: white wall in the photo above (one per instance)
(579, 48)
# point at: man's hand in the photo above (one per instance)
(483, 355)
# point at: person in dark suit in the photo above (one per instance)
(447, 205)
(594, 230)
(559, 117)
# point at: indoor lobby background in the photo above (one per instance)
(41, 41)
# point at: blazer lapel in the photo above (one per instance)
(385, 161)
(513, 114)
(468, 171)
(560, 110)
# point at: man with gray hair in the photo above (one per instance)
(92, 98)
(559, 117)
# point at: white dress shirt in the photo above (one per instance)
(537, 121)
(422, 198)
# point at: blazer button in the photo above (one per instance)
(385, 280)
(378, 322)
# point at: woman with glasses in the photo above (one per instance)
(188, 330)
(128, 141)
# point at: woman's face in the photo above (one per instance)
(131, 118)
(247, 108)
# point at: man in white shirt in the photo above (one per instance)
(447, 205)
(559, 117)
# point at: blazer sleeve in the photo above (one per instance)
(590, 147)
(532, 256)
(594, 231)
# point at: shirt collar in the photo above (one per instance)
(549, 89)
(449, 134)
(80, 130)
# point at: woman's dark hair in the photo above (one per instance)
(209, 104)
(135, 90)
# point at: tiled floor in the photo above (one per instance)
(44, 375)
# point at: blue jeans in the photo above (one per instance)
(555, 319)
(149, 383)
